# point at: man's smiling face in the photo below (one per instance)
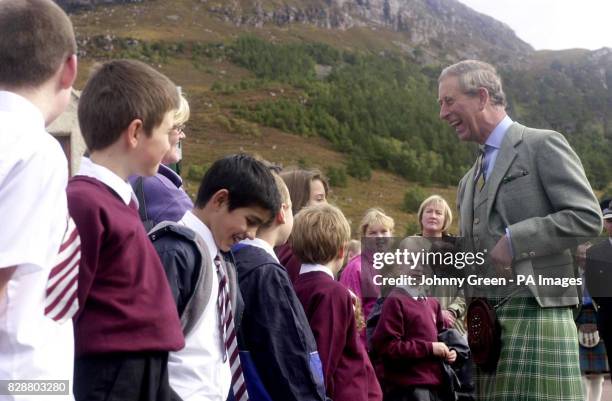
(461, 111)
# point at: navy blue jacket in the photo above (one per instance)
(275, 329)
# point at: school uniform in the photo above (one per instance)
(274, 328)
(33, 177)
(402, 343)
(201, 370)
(289, 261)
(128, 320)
(329, 308)
(361, 285)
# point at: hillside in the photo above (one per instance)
(347, 84)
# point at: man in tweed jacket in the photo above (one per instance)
(526, 202)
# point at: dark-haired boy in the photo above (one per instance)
(127, 322)
(320, 235)
(37, 291)
(237, 195)
(274, 328)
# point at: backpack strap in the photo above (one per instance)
(201, 289)
(138, 187)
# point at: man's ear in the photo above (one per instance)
(134, 133)
(220, 198)
(68, 72)
(483, 97)
(342, 252)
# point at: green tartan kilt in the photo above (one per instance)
(539, 358)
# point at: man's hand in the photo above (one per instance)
(440, 349)
(501, 257)
(449, 318)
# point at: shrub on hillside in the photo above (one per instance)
(196, 172)
(413, 198)
(359, 168)
(336, 176)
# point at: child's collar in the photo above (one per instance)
(308, 267)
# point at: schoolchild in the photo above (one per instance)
(405, 343)
(38, 242)
(236, 196)
(127, 323)
(320, 234)
(375, 230)
(274, 328)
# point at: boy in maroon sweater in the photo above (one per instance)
(128, 321)
(319, 237)
(405, 343)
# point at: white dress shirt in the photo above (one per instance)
(34, 210)
(307, 268)
(198, 372)
(259, 243)
(90, 169)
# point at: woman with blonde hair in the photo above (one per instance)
(435, 218)
(162, 197)
(378, 228)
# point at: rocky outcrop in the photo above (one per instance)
(447, 26)
(72, 5)
(445, 29)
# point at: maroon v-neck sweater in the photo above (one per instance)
(124, 297)
(348, 373)
(402, 340)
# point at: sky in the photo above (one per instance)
(553, 24)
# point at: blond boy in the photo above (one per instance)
(319, 238)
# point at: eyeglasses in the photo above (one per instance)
(179, 128)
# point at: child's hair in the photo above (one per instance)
(36, 37)
(284, 196)
(298, 181)
(375, 216)
(360, 321)
(438, 200)
(319, 233)
(353, 248)
(181, 116)
(117, 93)
(248, 181)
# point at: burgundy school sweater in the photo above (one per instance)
(289, 261)
(402, 341)
(124, 297)
(348, 373)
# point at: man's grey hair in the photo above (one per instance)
(474, 74)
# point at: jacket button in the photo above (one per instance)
(476, 220)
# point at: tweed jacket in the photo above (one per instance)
(539, 191)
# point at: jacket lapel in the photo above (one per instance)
(467, 203)
(505, 157)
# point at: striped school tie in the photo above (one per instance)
(228, 333)
(61, 301)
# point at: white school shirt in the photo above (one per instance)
(259, 243)
(307, 268)
(198, 372)
(89, 168)
(33, 210)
